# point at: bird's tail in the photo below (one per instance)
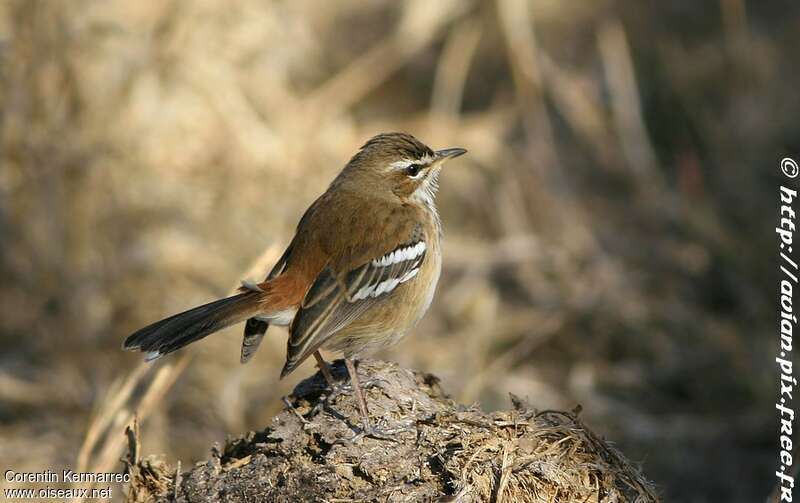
(175, 332)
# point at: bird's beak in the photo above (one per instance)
(449, 153)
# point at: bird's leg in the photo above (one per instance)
(362, 404)
(325, 369)
(368, 430)
(335, 389)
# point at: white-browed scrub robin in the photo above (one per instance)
(360, 272)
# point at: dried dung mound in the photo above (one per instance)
(442, 451)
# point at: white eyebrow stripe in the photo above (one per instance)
(404, 163)
(401, 164)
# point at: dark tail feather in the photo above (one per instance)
(171, 334)
(254, 331)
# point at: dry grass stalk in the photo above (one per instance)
(118, 414)
(625, 103)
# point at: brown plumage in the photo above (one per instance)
(359, 273)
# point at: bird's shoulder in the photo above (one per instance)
(348, 229)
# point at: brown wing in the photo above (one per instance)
(337, 297)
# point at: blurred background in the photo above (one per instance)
(608, 239)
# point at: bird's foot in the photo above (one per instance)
(331, 396)
(377, 433)
(388, 434)
(374, 382)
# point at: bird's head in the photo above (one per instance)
(398, 165)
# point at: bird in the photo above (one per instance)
(360, 272)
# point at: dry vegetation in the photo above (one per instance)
(605, 238)
(442, 452)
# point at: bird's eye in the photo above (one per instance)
(414, 169)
